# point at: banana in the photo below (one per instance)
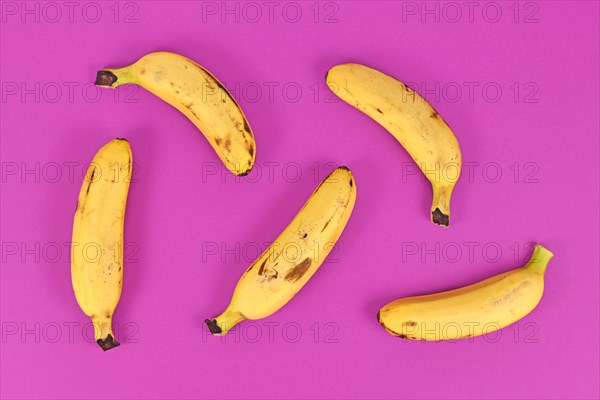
(285, 267)
(200, 96)
(473, 310)
(97, 249)
(411, 120)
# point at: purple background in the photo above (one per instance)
(543, 125)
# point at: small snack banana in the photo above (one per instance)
(411, 120)
(285, 267)
(97, 248)
(473, 310)
(199, 96)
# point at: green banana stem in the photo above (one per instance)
(539, 259)
(223, 323)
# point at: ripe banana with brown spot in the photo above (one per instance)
(285, 267)
(97, 249)
(200, 96)
(473, 310)
(411, 120)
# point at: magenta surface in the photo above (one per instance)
(518, 84)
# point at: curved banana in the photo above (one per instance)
(97, 248)
(200, 96)
(411, 120)
(285, 267)
(473, 310)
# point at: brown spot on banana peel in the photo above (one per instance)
(262, 267)
(440, 218)
(220, 85)
(218, 141)
(409, 323)
(105, 78)
(270, 274)
(508, 297)
(91, 181)
(189, 107)
(107, 343)
(298, 271)
(334, 213)
(247, 127)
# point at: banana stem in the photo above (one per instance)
(103, 333)
(440, 207)
(539, 259)
(220, 325)
(113, 77)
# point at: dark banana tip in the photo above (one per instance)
(382, 324)
(245, 172)
(212, 325)
(105, 78)
(108, 343)
(440, 218)
(344, 168)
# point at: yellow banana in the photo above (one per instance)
(285, 267)
(97, 249)
(473, 310)
(200, 96)
(411, 120)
